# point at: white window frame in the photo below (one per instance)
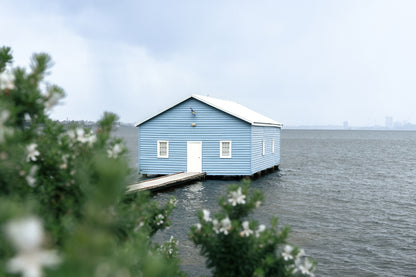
(221, 154)
(159, 142)
(264, 147)
(273, 146)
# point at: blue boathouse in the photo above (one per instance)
(205, 134)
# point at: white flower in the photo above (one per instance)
(27, 236)
(173, 202)
(300, 255)
(258, 203)
(71, 134)
(4, 116)
(32, 152)
(173, 240)
(27, 117)
(246, 232)
(30, 264)
(198, 226)
(30, 178)
(225, 225)
(206, 213)
(287, 253)
(113, 153)
(90, 139)
(82, 137)
(168, 247)
(53, 99)
(216, 226)
(236, 197)
(261, 228)
(6, 81)
(159, 219)
(30, 181)
(64, 165)
(80, 134)
(140, 225)
(306, 268)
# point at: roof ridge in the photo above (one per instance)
(230, 107)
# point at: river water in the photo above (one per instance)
(349, 197)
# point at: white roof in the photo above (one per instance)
(237, 110)
(233, 109)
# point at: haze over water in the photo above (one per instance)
(349, 197)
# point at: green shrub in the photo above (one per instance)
(63, 187)
(234, 245)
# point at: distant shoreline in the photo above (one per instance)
(340, 128)
(410, 127)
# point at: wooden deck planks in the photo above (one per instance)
(165, 181)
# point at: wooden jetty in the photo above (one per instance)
(166, 181)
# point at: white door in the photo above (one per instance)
(194, 156)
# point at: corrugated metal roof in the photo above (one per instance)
(232, 108)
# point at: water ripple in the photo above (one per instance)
(349, 197)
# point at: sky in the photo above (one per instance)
(298, 62)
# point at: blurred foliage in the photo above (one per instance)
(74, 180)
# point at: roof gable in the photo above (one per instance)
(228, 107)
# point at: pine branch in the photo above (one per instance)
(5, 57)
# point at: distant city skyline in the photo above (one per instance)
(302, 63)
(389, 124)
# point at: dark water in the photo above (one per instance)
(349, 196)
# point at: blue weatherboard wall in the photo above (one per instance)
(212, 126)
(269, 159)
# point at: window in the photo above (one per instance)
(264, 147)
(272, 145)
(162, 149)
(225, 149)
